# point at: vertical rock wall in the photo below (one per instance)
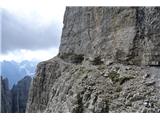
(127, 35)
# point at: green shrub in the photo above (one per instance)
(115, 77)
(124, 79)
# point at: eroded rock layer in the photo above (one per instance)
(108, 62)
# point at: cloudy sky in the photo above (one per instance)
(30, 29)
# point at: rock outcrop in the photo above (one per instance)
(14, 100)
(20, 95)
(6, 101)
(108, 62)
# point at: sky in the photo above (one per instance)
(30, 29)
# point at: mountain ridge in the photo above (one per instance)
(15, 71)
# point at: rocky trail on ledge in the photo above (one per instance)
(109, 61)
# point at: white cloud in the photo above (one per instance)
(41, 11)
(36, 15)
(20, 55)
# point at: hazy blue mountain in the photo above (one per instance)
(16, 71)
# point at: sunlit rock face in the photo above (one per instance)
(108, 62)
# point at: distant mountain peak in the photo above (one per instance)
(16, 71)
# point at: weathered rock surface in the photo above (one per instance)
(126, 35)
(108, 62)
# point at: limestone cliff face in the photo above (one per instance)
(108, 62)
(127, 35)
